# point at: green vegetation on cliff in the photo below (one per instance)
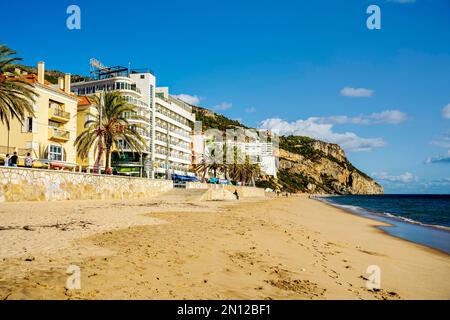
(301, 145)
(51, 75)
(212, 120)
(306, 165)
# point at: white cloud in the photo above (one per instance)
(356, 92)
(250, 110)
(406, 177)
(385, 117)
(446, 111)
(223, 106)
(195, 100)
(313, 128)
(442, 158)
(443, 142)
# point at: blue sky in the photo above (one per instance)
(305, 67)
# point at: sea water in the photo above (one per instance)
(423, 219)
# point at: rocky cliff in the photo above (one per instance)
(305, 165)
(313, 166)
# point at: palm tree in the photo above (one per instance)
(104, 135)
(16, 95)
(211, 161)
(255, 171)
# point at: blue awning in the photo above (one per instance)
(184, 178)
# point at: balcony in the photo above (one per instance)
(58, 134)
(7, 150)
(57, 114)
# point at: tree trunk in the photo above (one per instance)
(108, 158)
(204, 172)
(97, 168)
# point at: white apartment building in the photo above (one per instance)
(172, 150)
(121, 80)
(168, 122)
(259, 152)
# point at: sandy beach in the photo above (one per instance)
(178, 247)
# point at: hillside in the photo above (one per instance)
(306, 165)
(50, 75)
(214, 120)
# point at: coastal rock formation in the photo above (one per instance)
(313, 166)
(305, 165)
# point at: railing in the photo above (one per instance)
(179, 132)
(180, 143)
(22, 152)
(177, 156)
(56, 111)
(170, 115)
(59, 133)
(172, 167)
(7, 150)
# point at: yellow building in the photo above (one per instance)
(49, 136)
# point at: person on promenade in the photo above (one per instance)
(7, 158)
(14, 160)
(28, 161)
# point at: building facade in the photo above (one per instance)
(49, 134)
(125, 162)
(247, 144)
(173, 121)
(168, 123)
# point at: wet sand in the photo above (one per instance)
(177, 247)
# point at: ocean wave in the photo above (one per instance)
(369, 213)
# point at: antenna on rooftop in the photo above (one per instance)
(100, 71)
(95, 64)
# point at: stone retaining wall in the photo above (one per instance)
(244, 192)
(19, 184)
(196, 185)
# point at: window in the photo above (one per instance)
(142, 76)
(55, 153)
(29, 124)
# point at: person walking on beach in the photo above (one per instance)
(28, 161)
(236, 194)
(7, 158)
(14, 159)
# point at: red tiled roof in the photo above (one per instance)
(83, 101)
(33, 78)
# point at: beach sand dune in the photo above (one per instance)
(176, 247)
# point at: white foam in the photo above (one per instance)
(363, 211)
